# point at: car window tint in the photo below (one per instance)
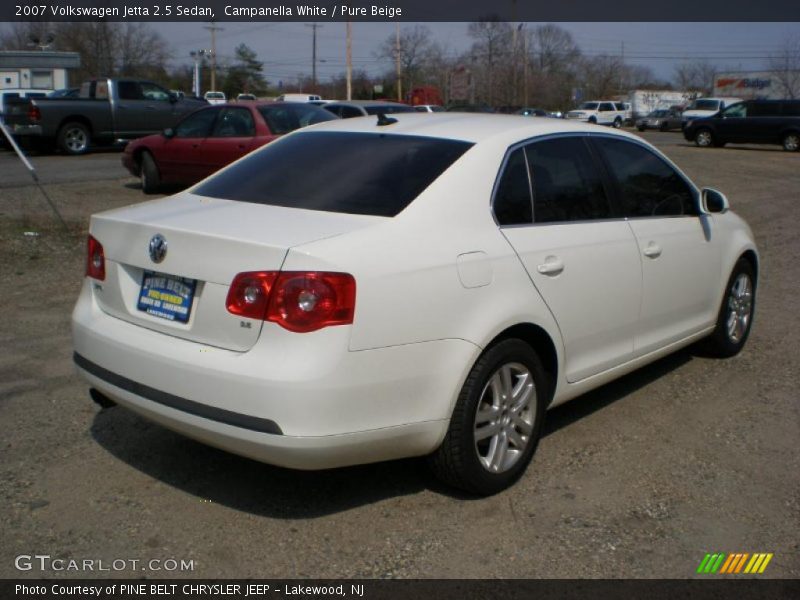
(197, 124)
(348, 112)
(283, 118)
(566, 183)
(791, 109)
(356, 173)
(512, 199)
(648, 186)
(128, 90)
(234, 122)
(764, 109)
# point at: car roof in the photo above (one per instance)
(365, 103)
(468, 127)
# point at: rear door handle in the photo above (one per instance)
(552, 265)
(653, 250)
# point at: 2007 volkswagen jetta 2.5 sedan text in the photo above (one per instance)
(411, 285)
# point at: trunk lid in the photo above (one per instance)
(209, 241)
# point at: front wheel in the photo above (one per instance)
(704, 138)
(497, 420)
(736, 313)
(791, 142)
(74, 138)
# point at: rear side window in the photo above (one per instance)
(512, 200)
(356, 173)
(791, 109)
(234, 122)
(283, 118)
(566, 183)
(648, 186)
(764, 109)
(129, 90)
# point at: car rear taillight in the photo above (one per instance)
(95, 260)
(300, 301)
(34, 114)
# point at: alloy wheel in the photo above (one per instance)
(740, 307)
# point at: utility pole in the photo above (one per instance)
(349, 60)
(213, 28)
(314, 27)
(197, 55)
(397, 62)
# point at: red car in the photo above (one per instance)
(212, 137)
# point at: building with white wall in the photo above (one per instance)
(36, 69)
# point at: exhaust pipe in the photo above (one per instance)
(101, 399)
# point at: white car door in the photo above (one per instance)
(680, 249)
(584, 264)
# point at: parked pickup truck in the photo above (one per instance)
(106, 111)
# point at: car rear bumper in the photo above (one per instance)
(289, 401)
(25, 130)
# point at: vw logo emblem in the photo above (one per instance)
(158, 248)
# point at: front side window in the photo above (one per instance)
(356, 173)
(736, 110)
(512, 200)
(648, 186)
(566, 182)
(234, 122)
(151, 91)
(197, 125)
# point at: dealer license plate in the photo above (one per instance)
(166, 296)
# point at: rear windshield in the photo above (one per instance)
(356, 173)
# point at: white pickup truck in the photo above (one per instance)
(602, 112)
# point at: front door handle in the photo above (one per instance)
(552, 265)
(653, 250)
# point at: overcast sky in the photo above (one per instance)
(285, 48)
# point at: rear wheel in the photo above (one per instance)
(617, 123)
(151, 180)
(593, 120)
(791, 142)
(74, 138)
(497, 421)
(641, 128)
(704, 138)
(736, 313)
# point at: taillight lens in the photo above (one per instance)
(300, 301)
(34, 114)
(249, 294)
(95, 260)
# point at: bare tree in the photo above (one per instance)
(695, 76)
(491, 56)
(602, 76)
(785, 66)
(553, 57)
(416, 49)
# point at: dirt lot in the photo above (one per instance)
(638, 479)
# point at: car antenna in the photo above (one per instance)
(384, 120)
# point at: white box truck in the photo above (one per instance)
(643, 102)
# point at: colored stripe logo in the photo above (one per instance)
(735, 563)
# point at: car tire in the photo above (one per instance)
(148, 172)
(735, 316)
(704, 138)
(641, 128)
(791, 142)
(617, 123)
(593, 120)
(664, 127)
(74, 138)
(497, 420)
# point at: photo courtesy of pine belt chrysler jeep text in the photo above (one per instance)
(408, 285)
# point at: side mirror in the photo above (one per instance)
(168, 133)
(713, 201)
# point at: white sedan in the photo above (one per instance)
(378, 288)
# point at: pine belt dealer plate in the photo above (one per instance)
(166, 296)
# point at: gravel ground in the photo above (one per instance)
(638, 479)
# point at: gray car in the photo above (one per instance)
(662, 119)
